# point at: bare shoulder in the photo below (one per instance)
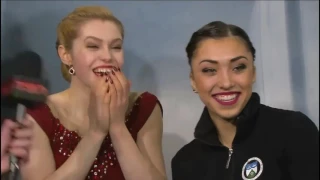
(133, 96)
(154, 113)
(149, 138)
(56, 102)
(57, 98)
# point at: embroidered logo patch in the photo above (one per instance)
(252, 169)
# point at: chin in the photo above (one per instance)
(227, 114)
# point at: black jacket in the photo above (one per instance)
(270, 144)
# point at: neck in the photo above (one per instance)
(78, 98)
(226, 130)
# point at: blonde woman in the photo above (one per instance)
(97, 128)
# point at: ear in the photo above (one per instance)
(254, 74)
(64, 55)
(192, 82)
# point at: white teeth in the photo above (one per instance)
(226, 97)
(102, 70)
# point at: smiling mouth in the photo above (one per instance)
(227, 99)
(102, 71)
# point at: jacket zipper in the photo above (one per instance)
(229, 158)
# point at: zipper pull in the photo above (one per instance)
(229, 158)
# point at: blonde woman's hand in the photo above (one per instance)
(99, 106)
(119, 93)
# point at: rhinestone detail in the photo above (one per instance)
(67, 141)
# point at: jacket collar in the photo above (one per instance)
(207, 133)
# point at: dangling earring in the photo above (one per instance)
(71, 70)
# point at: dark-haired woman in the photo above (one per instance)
(237, 137)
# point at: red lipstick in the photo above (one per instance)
(227, 98)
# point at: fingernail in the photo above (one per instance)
(107, 79)
(113, 72)
(101, 74)
(115, 69)
(119, 69)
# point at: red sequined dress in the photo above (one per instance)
(63, 141)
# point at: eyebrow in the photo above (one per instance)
(216, 62)
(100, 40)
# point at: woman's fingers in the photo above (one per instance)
(113, 92)
(21, 143)
(24, 133)
(123, 81)
(107, 98)
(117, 86)
(21, 153)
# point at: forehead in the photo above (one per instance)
(221, 49)
(102, 29)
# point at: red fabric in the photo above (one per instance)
(63, 141)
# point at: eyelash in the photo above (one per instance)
(96, 47)
(208, 70)
(118, 47)
(240, 67)
(236, 69)
(93, 47)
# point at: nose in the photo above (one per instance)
(225, 80)
(106, 55)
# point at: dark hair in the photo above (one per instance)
(216, 30)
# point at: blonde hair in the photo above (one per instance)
(68, 28)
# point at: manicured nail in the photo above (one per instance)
(113, 72)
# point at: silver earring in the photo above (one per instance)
(71, 71)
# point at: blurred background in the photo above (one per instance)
(284, 33)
